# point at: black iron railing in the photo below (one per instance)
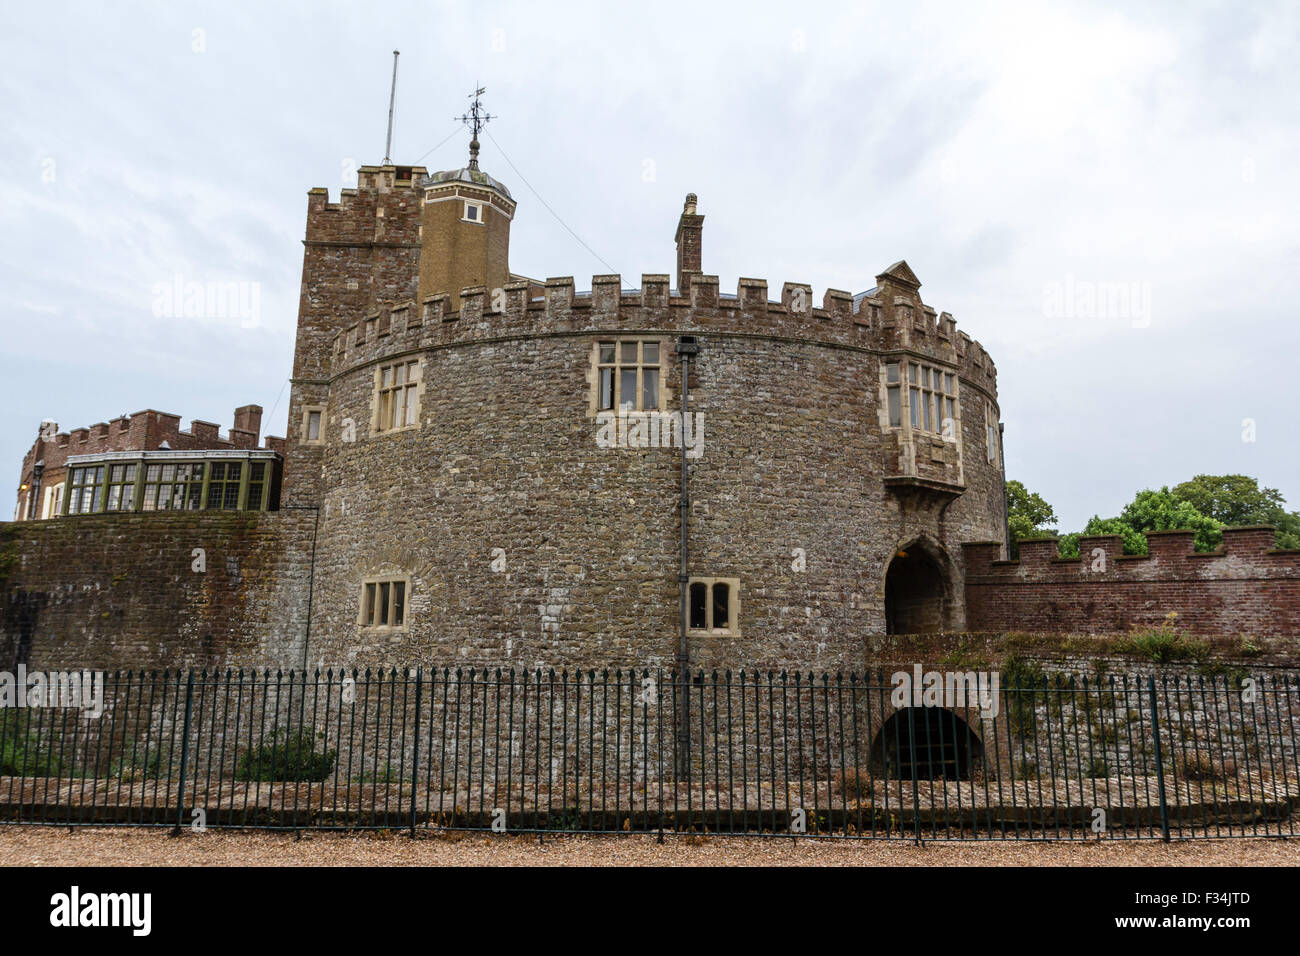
(1122, 757)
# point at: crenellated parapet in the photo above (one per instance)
(878, 321)
(1247, 587)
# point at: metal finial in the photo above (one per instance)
(476, 119)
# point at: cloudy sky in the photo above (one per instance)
(1104, 195)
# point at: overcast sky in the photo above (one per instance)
(1104, 195)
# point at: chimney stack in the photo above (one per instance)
(690, 228)
(248, 418)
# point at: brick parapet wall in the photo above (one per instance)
(1247, 587)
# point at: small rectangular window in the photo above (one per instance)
(313, 426)
(699, 606)
(990, 432)
(721, 593)
(629, 376)
(397, 403)
(383, 602)
(714, 606)
(399, 603)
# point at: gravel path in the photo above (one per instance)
(42, 846)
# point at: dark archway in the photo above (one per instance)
(931, 742)
(916, 597)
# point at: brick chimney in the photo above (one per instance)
(690, 229)
(248, 418)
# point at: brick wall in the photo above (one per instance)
(1248, 587)
(144, 431)
(120, 591)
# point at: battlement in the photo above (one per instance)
(898, 323)
(145, 430)
(379, 179)
(1247, 586)
(1103, 554)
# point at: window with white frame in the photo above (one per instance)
(629, 375)
(713, 606)
(397, 402)
(86, 483)
(53, 501)
(932, 400)
(473, 212)
(383, 602)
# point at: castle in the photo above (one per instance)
(484, 468)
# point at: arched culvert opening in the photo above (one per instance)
(932, 742)
(915, 596)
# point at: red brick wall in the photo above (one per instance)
(143, 431)
(1248, 587)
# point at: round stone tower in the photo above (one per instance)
(499, 461)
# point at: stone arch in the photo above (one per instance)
(919, 589)
(931, 742)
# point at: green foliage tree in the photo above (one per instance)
(1164, 511)
(1134, 542)
(1028, 514)
(1239, 500)
(1150, 511)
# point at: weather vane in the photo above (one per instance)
(476, 119)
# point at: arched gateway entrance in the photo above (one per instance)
(916, 591)
(928, 743)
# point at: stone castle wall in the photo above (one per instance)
(505, 457)
(121, 591)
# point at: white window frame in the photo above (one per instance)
(477, 207)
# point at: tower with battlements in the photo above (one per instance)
(497, 460)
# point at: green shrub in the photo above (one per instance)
(289, 757)
(24, 754)
(1165, 644)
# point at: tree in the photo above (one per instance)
(1151, 511)
(1134, 542)
(1239, 500)
(1164, 511)
(1028, 516)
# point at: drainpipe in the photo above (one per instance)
(34, 503)
(1006, 502)
(686, 347)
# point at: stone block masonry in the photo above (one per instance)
(159, 590)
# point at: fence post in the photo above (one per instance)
(415, 758)
(916, 786)
(1160, 768)
(185, 753)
